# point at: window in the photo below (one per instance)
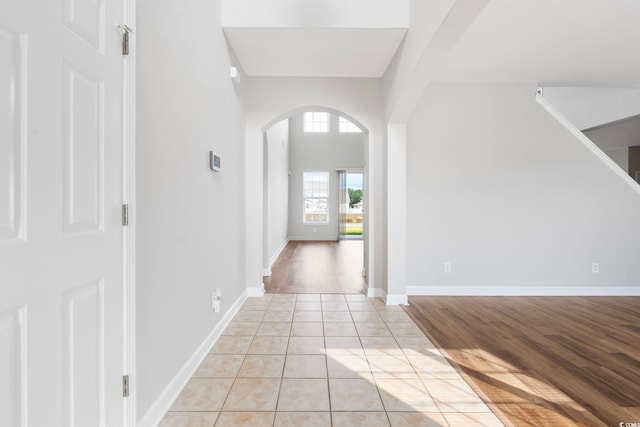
(347, 127)
(315, 189)
(316, 121)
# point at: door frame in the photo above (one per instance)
(129, 198)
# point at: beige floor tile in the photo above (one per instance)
(189, 419)
(265, 297)
(274, 329)
(395, 317)
(391, 366)
(245, 419)
(365, 316)
(278, 316)
(306, 345)
(348, 366)
(416, 345)
(249, 316)
(236, 329)
(262, 366)
(354, 395)
(334, 306)
(356, 297)
(308, 297)
(361, 306)
(332, 297)
(336, 316)
(303, 419)
(219, 366)
(203, 394)
(255, 304)
(454, 395)
(253, 394)
(308, 306)
(269, 345)
(430, 365)
(380, 346)
(307, 316)
(343, 345)
(307, 329)
(305, 366)
(282, 305)
(372, 329)
(303, 395)
(405, 330)
(283, 297)
(340, 330)
(360, 419)
(476, 420)
(405, 396)
(232, 345)
(417, 419)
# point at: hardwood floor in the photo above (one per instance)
(543, 361)
(318, 267)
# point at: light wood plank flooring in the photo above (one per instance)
(318, 268)
(543, 361)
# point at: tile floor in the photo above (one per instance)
(325, 361)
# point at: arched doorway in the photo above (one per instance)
(314, 221)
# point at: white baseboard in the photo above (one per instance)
(395, 299)
(163, 403)
(275, 256)
(255, 291)
(266, 272)
(556, 291)
(313, 239)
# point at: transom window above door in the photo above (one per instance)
(316, 121)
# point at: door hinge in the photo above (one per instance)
(125, 215)
(125, 386)
(125, 38)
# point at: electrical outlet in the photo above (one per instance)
(447, 267)
(595, 267)
(216, 297)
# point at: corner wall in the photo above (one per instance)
(190, 226)
(517, 204)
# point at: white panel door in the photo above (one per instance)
(61, 238)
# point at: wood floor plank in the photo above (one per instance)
(543, 361)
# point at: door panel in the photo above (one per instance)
(61, 237)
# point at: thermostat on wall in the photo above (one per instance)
(214, 161)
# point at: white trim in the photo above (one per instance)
(312, 239)
(266, 272)
(275, 256)
(129, 103)
(395, 299)
(587, 142)
(374, 292)
(255, 291)
(556, 291)
(161, 405)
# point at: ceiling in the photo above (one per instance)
(314, 52)
(550, 42)
(547, 42)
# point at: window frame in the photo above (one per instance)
(350, 127)
(305, 198)
(316, 124)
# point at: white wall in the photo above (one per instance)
(269, 100)
(277, 189)
(190, 225)
(587, 107)
(501, 190)
(319, 152)
(316, 13)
